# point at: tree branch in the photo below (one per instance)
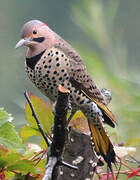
(36, 118)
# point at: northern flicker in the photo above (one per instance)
(51, 61)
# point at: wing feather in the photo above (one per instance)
(81, 79)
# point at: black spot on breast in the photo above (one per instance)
(57, 64)
(57, 59)
(55, 72)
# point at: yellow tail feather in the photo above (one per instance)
(102, 143)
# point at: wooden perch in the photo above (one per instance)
(60, 129)
(59, 135)
(79, 152)
(71, 155)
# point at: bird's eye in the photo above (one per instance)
(34, 31)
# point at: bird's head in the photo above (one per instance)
(37, 36)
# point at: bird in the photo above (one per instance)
(50, 62)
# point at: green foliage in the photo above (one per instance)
(8, 135)
(12, 162)
(44, 114)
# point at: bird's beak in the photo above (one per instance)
(23, 42)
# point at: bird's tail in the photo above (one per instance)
(102, 143)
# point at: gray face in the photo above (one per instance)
(37, 36)
(28, 27)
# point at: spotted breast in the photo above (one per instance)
(50, 71)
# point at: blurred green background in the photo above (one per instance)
(106, 33)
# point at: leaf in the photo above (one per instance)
(3, 150)
(9, 159)
(23, 166)
(9, 137)
(79, 122)
(4, 117)
(43, 112)
(28, 131)
(14, 161)
(9, 175)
